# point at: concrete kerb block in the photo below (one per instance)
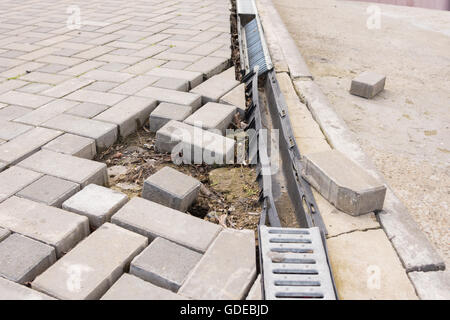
(22, 258)
(97, 203)
(171, 188)
(367, 84)
(165, 264)
(433, 285)
(343, 183)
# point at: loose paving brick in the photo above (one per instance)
(194, 78)
(73, 145)
(78, 170)
(165, 112)
(343, 183)
(367, 84)
(97, 203)
(209, 66)
(164, 264)
(15, 179)
(46, 112)
(10, 290)
(4, 233)
(171, 188)
(104, 134)
(171, 96)
(154, 220)
(99, 261)
(129, 287)
(172, 84)
(212, 116)
(49, 190)
(87, 110)
(236, 97)
(9, 129)
(26, 144)
(22, 258)
(214, 88)
(226, 271)
(12, 112)
(53, 226)
(129, 114)
(195, 144)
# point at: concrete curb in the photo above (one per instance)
(411, 245)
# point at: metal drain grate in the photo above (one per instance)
(294, 264)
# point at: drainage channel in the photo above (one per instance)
(293, 253)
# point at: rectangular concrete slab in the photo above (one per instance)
(154, 220)
(15, 179)
(104, 134)
(9, 129)
(165, 112)
(129, 114)
(171, 96)
(226, 271)
(22, 258)
(213, 116)
(78, 170)
(367, 84)
(129, 287)
(13, 291)
(171, 188)
(197, 145)
(97, 203)
(165, 264)
(23, 146)
(73, 145)
(55, 227)
(49, 190)
(99, 261)
(343, 183)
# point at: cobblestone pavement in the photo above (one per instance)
(75, 76)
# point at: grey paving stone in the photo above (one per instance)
(154, 220)
(4, 233)
(78, 170)
(49, 190)
(102, 75)
(22, 258)
(209, 66)
(134, 85)
(343, 183)
(24, 145)
(171, 188)
(177, 65)
(12, 112)
(129, 287)
(165, 112)
(194, 78)
(169, 56)
(44, 77)
(15, 179)
(89, 270)
(206, 49)
(144, 66)
(226, 271)
(104, 134)
(171, 96)
(165, 264)
(46, 112)
(196, 145)
(13, 291)
(9, 129)
(82, 68)
(236, 97)
(87, 110)
(212, 116)
(84, 95)
(129, 114)
(67, 87)
(172, 84)
(24, 99)
(53, 226)
(432, 285)
(214, 88)
(367, 84)
(97, 203)
(255, 291)
(73, 145)
(11, 84)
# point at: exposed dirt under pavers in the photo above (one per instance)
(228, 196)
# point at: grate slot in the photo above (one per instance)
(293, 283)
